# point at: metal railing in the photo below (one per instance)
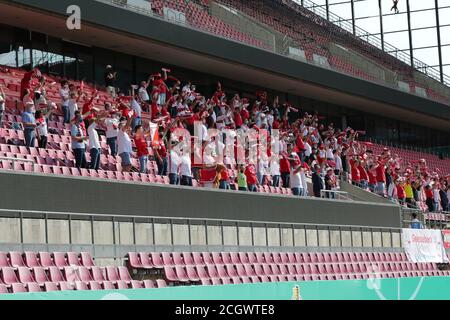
(258, 235)
(374, 40)
(335, 195)
(149, 12)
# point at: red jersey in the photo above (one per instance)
(381, 173)
(250, 173)
(372, 177)
(401, 192)
(363, 173)
(25, 83)
(354, 171)
(141, 145)
(224, 175)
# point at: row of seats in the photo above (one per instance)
(80, 285)
(158, 260)
(32, 259)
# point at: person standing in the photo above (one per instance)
(79, 139)
(64, 93)
(94, 142)
(140, 141)
(110, 81)
(112, 130)
(2, 106)
(29, 125)
(317, 181)
(124, 145)
(41, 125)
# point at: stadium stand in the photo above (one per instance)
(309, 148)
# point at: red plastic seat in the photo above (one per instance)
(121, 285)
(108, 285)
(112, 274)
(134, 261)
(18, 288)
(135, 284)
(80, 285)
(73, 259)
(45, 259)
(145, 260)
(59, 258)
(157, 260)
(188, 259)
(71, 274)
(98, 274)
(94, 285)
(25, 275)
(9, 276)
(50, 286)
(31, 259)
(15, 259)
(160, 283)
(86, 259)
(3, 289)
(149, 284)
(4, 261)
(124, 275)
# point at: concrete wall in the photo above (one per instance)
(83, 195)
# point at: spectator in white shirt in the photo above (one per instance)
(112, 129)
(124, 145)
(64, 93)
(94, 143)
(338, 163)
(174, 164)
(185, 170)
(73, 105)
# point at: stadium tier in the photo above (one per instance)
(44, 271)
(58, 155)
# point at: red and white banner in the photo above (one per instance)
(424, 245)
(446, 235)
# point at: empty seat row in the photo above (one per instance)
(196, 273)
(152, 260)
(40, 275)
(45, 259)
(81, 285)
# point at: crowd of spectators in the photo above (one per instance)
(141, 124)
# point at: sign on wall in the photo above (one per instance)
(424, 245)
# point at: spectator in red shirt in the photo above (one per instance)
(400, 191)
(380, 170)
(252, 180)
(356, 178)
(140, 141)
(364, 178)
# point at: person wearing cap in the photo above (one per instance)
(401, 195)
(110, 79)
(124, 145)
(29, 124)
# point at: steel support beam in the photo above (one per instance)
(438, 28)
(381, 24)
(411, 50)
